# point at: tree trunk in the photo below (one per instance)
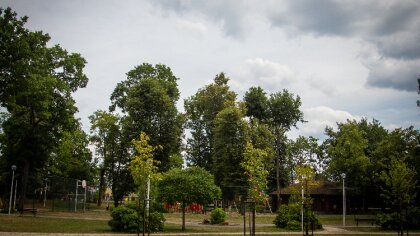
(24, 184)
(183, 216)
(101, 186)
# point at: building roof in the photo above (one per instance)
(323, 188)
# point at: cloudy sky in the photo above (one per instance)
(345, 59)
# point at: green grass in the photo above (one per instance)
(51, 225)
(97, 222)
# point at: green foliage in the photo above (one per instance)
(286, 214)
(217, 216)
(347, 152)
(391, 221)
(148, 99)
(256, 172)
(256, 102)
(186, 186)
(143, 166)
(156, 222)
(201, 111)
(72, 157)
(36, 86)
(112, 147)
(303, 151)
(125, 218)
(284, 110)
(191, 185)
(289, 217)
(294, 225)
(230, 137)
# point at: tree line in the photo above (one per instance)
(241, 142)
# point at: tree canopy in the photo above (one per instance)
(36, 86)
(186, 186)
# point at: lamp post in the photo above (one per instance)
(343, 176)
(11, 187)
(303, 195)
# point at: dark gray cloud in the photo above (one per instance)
(392, 26)
(229, 14)
(322, 17)
(400, 75)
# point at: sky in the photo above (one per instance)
(345, 59)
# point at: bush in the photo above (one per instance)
(391, 220)
(126, 219)
(217, 216)
(156, 221)
(289, 217)
(294, 225)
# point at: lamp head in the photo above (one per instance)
(13, 167)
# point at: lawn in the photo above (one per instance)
(97, 222)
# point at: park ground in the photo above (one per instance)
(94, 223)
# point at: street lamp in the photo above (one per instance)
(343, 176)
(303, 195)
(11, 187)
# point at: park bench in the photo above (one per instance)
(364, 220)
(30, 210)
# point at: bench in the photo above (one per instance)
(365, 220)
(30, 210)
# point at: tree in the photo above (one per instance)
(201, 111)
(144, 170)
(347, 152)
(302, 151)
(256, 103)
(399, 188)
(36, 86)
(230, 137)
(187, 186)
(72, 157)
(284, 113)
(148, 99)
(256, 172)
(112, 147)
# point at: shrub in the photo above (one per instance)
(391, 220)
(156, 221)
(217, 216)
(289, 217)
(126, 219)
(294, 225)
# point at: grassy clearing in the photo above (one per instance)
(97, 222)
(51, 225)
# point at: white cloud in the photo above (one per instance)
(322, 116)
(195, 28)
(267, 74)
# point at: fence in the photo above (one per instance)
(57, 193)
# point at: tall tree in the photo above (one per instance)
(230, 137)
(201, 111)
(36, 85)
(284, 113)
(112, 149)
(148, 99)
